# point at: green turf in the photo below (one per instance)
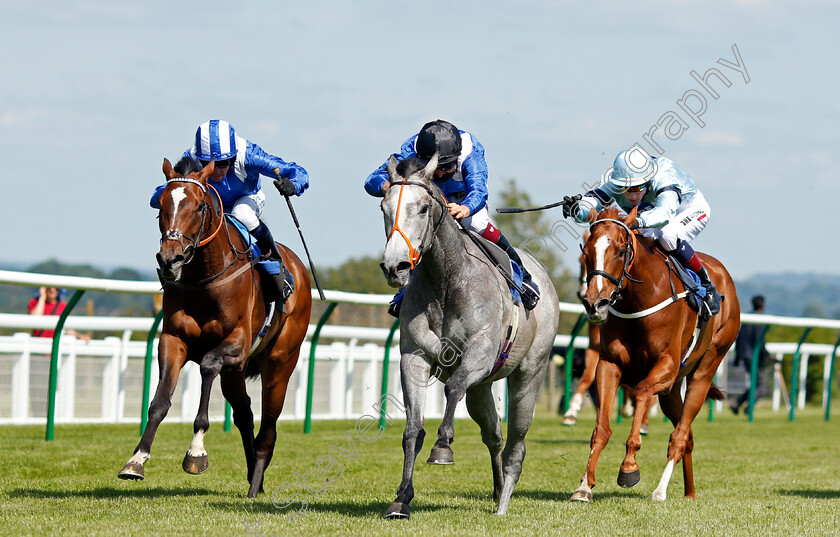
(769, 477)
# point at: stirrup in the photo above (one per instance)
(530, 295)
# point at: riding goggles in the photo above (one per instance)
(637, 188)
(219, 163)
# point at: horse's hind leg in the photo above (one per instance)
(275, 379)
(171, 358)
(233, 388)
(672, 406)
(414, 378)
(195, 460)
(523, 388)
(482, 409)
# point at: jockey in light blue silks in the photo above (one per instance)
(462, 177)
(238, 166)
(671, 208)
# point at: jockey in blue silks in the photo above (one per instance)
(238, 166)
(462, 177)
(671, 208)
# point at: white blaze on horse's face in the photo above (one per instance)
(600, 250)
(178, 196)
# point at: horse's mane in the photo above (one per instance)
(408, 167)
(186, 166)
(612, 212)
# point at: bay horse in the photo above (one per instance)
(650, 340)
(455, 317)
(214, 315)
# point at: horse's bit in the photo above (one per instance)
(629, 256)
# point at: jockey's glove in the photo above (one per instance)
(634, 224)
(285, 187)
(568, 203)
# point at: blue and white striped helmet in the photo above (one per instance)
(631, 168)
(215, 139)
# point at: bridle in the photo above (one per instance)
(415, 254)
(193, 243)
(629, 257)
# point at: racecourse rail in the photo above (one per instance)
(348, 373)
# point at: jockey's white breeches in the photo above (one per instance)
(478, 221)
(689, 221)
(248, 209)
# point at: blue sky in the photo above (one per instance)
(95, 94)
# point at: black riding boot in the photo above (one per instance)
(531, 293)
(712, 298)
(268, 249)
(686, 255)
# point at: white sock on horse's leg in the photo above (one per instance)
(660, 493)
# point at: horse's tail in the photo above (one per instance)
(715, 393)
(253, 367)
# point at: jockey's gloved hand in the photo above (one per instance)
(634, 225)
(568, 203)
(285, 187)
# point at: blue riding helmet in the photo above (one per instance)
(631, 168)
(215, 139)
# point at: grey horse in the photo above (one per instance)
(455, 316)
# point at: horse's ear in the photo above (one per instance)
(392, 168)
(167, 169)
(632, 216)
(430, 168)
(207, 171)
(592, 216)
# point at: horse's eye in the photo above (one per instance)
(621, 253)
(424, 209)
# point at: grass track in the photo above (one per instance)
(769, 477)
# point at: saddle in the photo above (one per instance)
(509, 269)
(267, 267)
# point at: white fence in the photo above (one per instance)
(102, 381)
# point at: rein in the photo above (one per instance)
(629, 259)
(414, 254)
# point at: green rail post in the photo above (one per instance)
(147, 372)
(570, 351)
(830, 381)
(618, 418)
(54, 362)
(386, 359)
(310, 381)
(228, 413)
(759, 346)
(794, 380)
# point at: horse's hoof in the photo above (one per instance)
(629, 479)
(397, 511)
(442, 455)
(643, 430)
(582, 496)
(569, 420)
(132, 470)
(195, 464)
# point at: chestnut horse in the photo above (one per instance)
(651, 342)
(214, 315)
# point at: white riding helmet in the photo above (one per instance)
(631, 168)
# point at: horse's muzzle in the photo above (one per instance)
(598, 311)
(170, 268)
(397, 276)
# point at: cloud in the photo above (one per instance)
(732, 139)
(10, 119)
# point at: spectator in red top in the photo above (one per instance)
(49, 302)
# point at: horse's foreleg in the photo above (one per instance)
(233, 388)
(660, 378)
(171, 358)
(586, 379)
(523, 388)
(464, 377)
(482, 409)
(195, 460)
(607, 378)
(415, 376)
